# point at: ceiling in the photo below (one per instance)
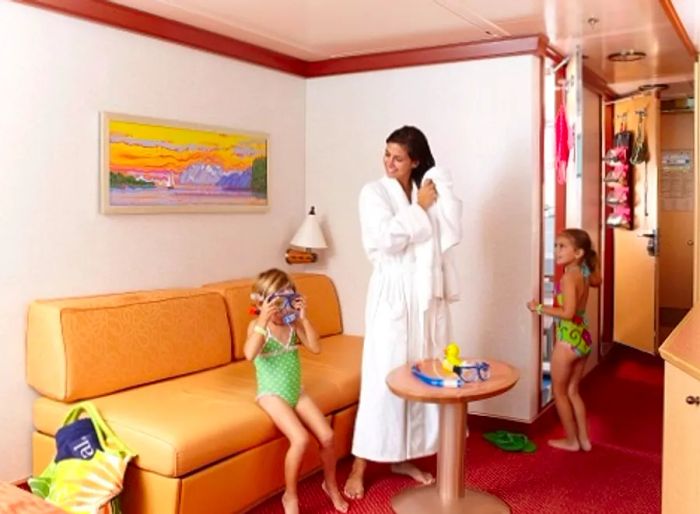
(324, 29)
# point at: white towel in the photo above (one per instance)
(435, 267)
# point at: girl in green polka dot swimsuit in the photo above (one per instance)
(273, 345)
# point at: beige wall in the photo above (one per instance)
(58, 73)
(483, 122)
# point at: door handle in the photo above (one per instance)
(690, 242)
(692, 400)
(652, 242)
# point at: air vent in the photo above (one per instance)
(678, 105)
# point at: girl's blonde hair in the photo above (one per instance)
(582, 241)
(269, 282)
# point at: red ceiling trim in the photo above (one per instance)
(116, 15)
(675, 20)
(144, 23)
(503, 47)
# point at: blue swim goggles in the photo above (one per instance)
(285, 303)
(478, 371)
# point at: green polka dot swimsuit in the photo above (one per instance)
(278, 369)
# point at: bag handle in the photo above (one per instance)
(101, 428)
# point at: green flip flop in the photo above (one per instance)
(510, 442)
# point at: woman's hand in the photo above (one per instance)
(531, 305)
(299, 303)
(427, 194)
(268, 309)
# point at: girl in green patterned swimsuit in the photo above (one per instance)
(574, 251)
(273, 346)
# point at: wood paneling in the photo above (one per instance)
(676, 235)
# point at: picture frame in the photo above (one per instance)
(151, 165)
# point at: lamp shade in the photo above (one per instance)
(309, 234)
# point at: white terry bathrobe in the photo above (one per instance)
(388, 428)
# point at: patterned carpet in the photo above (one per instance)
(622, 474)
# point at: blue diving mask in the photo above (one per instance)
(285, 302)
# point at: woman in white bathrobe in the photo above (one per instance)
(393, 218)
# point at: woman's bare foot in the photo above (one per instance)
(290, 504)
(354, 485)
(585, 445)
(564, 444)
(338, 501)
(408, 469)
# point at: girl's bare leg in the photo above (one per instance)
(286, 419)
(563, 359)
(314, 419)
(355, 484)
(578, 405)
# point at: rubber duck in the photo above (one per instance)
(451, 357)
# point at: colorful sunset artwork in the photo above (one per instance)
(151, 165)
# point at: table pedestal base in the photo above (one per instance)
(425, 500)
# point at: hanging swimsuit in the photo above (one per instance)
(574, 332)
(278, 369)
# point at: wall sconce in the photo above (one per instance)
(307, 237)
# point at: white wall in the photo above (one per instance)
(57, 74)
(482, 119)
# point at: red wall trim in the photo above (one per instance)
(608, 250)
(116, 15)
(162, 28)
(144, 23)
(438, 54)
(675, 20)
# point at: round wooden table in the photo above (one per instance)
(449, 495)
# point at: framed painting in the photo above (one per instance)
(159, 166)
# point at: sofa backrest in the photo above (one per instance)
(85, 347)
(322, 305)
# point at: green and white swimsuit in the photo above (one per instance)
(278, 369)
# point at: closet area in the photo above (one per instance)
(649, 208)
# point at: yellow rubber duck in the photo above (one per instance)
(451, 357)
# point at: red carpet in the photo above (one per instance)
(622, 474)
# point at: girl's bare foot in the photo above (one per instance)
(354, 486)
(408, 469)
(290, 504)
(564, 444)
(338, 501)
(585, 445)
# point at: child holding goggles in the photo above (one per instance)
(273, 346)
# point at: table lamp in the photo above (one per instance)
(308, 236)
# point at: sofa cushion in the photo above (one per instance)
(186, 423)
(322, 301)
(85, 347)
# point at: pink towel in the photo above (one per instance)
(561, 134)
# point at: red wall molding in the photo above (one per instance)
(144, 23)
(151, 25)
(148, 24)
(535, 44)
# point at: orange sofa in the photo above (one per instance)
(166, 370)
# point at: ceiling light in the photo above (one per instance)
(653, 87)
(627, 56)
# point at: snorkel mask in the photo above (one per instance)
(284, 301)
